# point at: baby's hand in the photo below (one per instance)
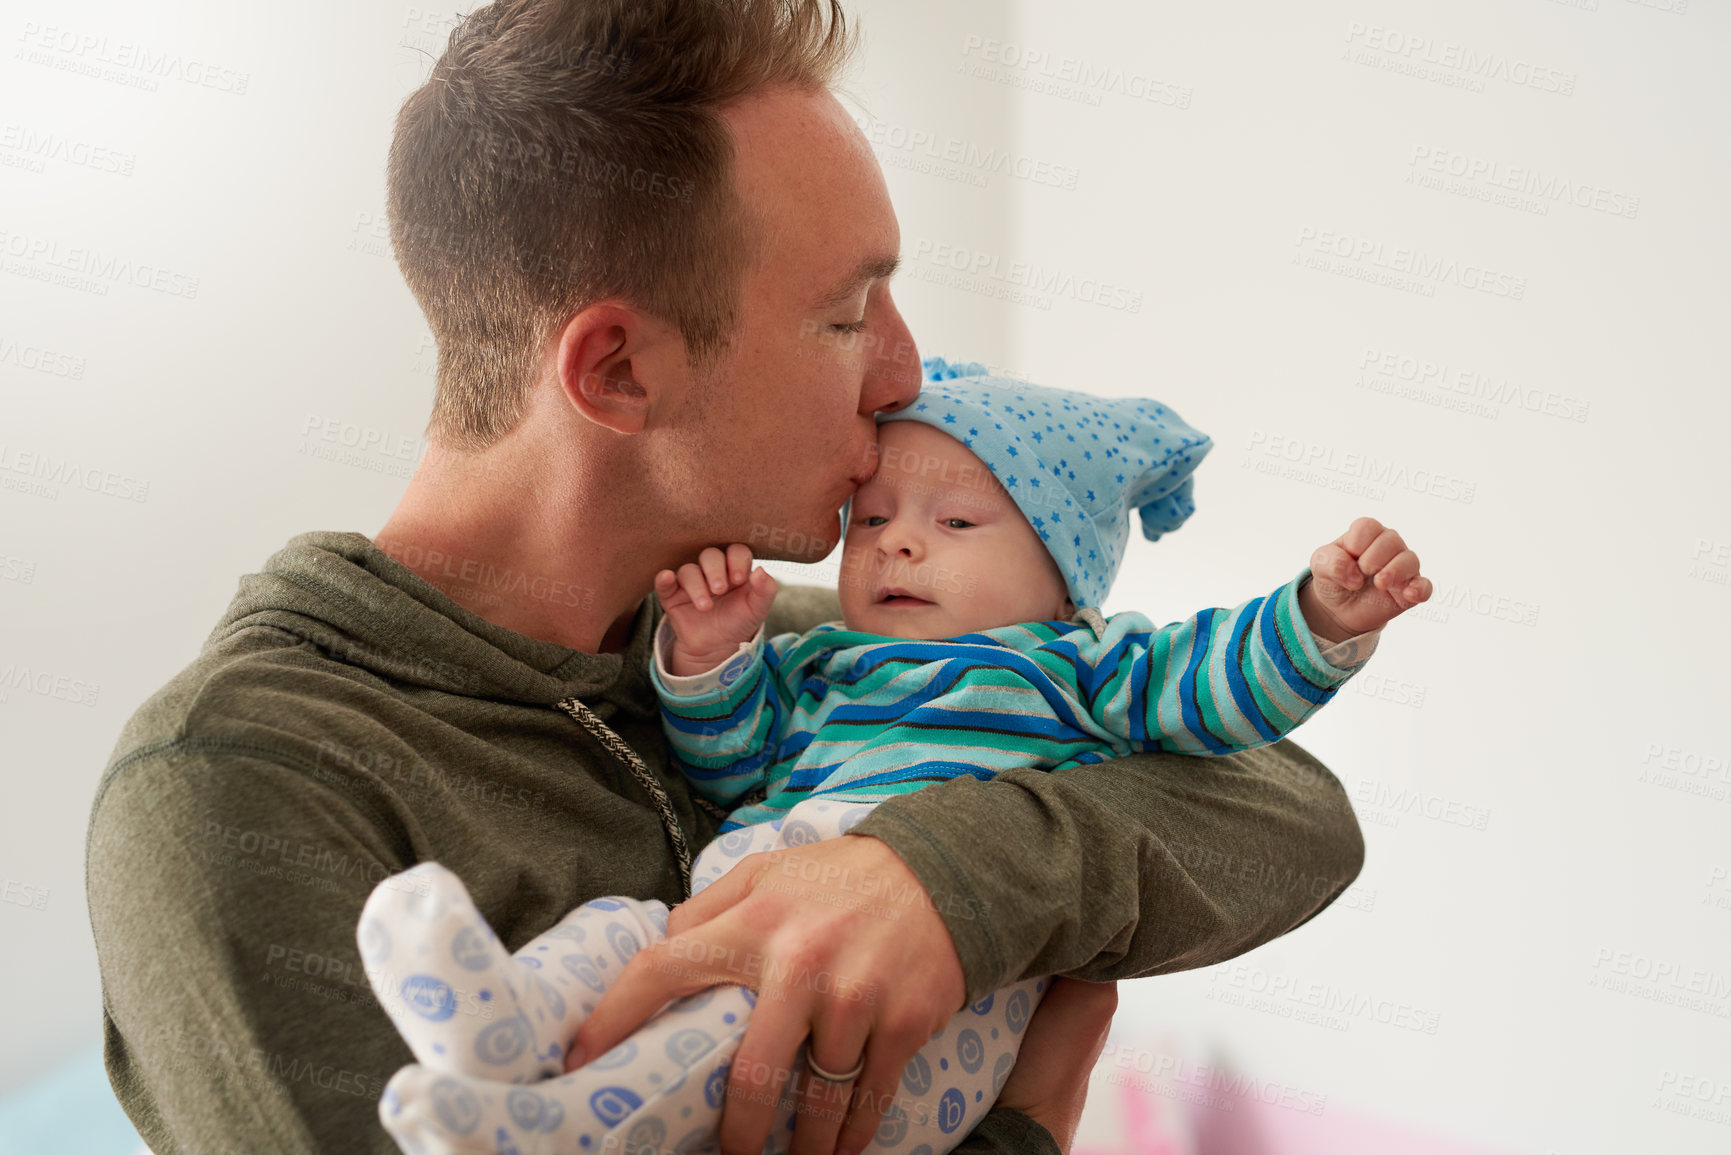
(714, 604)
(1338, 603)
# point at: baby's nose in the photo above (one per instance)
(898, 539)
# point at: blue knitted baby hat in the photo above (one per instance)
(1074, 463)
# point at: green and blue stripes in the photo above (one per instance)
(864, 716)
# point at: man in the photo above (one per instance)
(646, 238)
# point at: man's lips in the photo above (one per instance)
(870, 467)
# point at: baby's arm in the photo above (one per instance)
(721, 708)
(1237, 679)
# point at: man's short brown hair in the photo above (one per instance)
(564, 152)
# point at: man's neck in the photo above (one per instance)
(510, 536)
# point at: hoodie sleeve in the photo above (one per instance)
(224, 890)
(1132, 866)
(1140, 865)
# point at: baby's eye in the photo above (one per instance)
(874, 519)
(957, 522)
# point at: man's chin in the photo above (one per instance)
(806, 544)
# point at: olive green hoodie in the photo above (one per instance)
(346, 720)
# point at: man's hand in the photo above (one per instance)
(1049, 1082)
(842, 943)
(714, 604)
(1360, 582)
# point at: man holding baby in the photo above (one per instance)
(631, 369)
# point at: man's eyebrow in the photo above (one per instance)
(871, 269)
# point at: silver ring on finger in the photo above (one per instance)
(841, 1078)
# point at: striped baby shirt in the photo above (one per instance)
(860, 716)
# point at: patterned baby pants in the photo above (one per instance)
(489, 1029)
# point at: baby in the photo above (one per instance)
(973, 565)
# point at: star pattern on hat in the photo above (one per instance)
(1146, 458)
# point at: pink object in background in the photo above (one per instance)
(1141, 1116)
(1256, 1128)
(1142, 1120)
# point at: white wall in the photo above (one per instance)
(1192, 170)
(1575, 632)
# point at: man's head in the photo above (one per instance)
(936, 547)
(634, 227)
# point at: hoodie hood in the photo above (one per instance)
(345, 595)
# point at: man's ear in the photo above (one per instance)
(601, 351)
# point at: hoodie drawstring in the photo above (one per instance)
(663, 806)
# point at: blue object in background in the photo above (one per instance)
(71, 1111)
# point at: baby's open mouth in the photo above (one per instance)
(898, 597)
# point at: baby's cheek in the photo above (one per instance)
(850, 581)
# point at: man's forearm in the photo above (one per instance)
(1133, 866)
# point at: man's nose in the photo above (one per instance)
(892, 372)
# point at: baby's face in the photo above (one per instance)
(935, 547)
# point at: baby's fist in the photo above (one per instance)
(1360, 582)
(714, 604)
